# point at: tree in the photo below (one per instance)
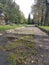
(29, 19)
(12, 11)
(39, 11)
(23, 20)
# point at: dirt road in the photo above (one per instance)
(41, 41)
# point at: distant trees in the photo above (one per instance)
(22, 18)
(30, 21)
(39, 11)
(11, 11)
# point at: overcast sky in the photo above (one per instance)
(25, 6)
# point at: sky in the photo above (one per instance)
(25, 6)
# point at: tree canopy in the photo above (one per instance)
(12, 11)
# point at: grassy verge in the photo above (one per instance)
(7, 27)
(45, 27)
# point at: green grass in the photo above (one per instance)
(7, 27)
(45, 27)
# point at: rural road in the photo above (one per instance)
(41, 40)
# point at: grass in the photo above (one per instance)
(45, 27)
(7, 27)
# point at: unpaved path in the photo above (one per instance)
(6, 37)
(41, 40)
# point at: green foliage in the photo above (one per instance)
(11, 11)
(29, 19)
(23, 20)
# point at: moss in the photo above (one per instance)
(22, 53)
(1, 47)
(27, 37)
(31, 45)
(21, 42)
(10, 46)
(13, 45)
(11, 58)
